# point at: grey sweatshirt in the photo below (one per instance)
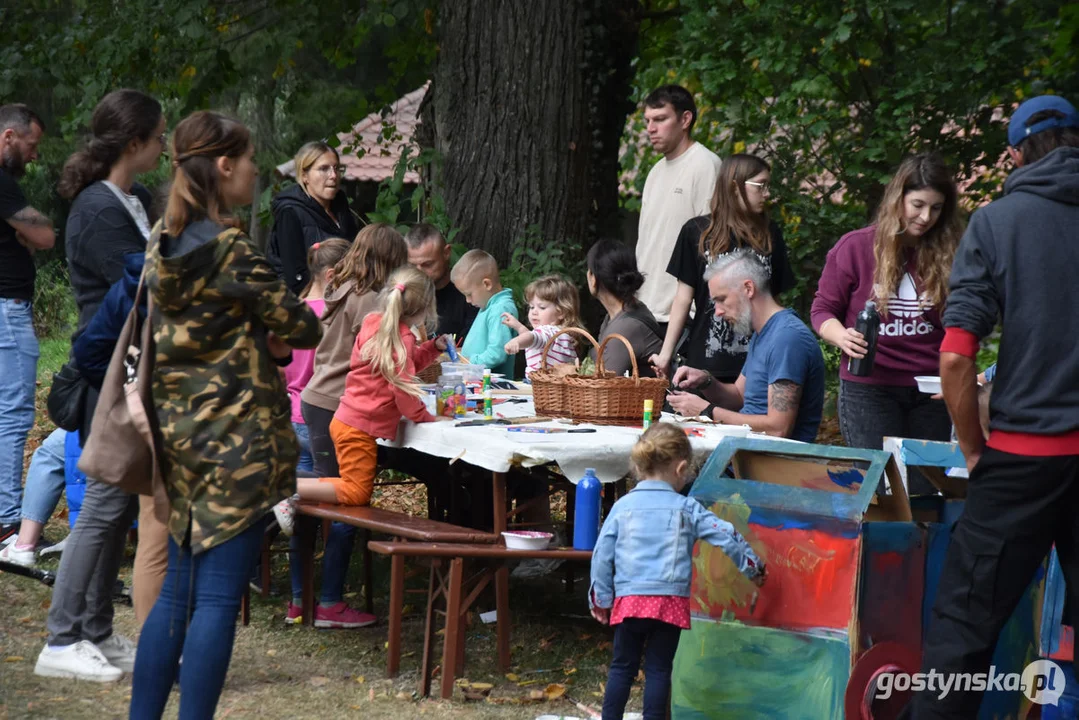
(1018, 262)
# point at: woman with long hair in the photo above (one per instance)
(902, 263)
(312, 210)
(613, 279)
(222, 321)
(739, 219)
(109, 221)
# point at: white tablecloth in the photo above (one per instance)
(497, 449)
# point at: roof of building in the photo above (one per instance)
(374, 145)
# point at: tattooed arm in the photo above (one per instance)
(784, 398)
(33, 229)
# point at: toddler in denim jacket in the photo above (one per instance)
(643, 563)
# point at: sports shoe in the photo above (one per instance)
(286, 515)
(81, 661)
(295, 615)
(18, 556)
(342, 616)
(54, 549)
(119, 651)
(8, 530)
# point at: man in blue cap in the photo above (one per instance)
(1017, 264)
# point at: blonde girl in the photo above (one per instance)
(379, 391)
(553, 304)
(739, 219)
(902, 263)
(641, 571)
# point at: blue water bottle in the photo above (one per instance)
(586, 512)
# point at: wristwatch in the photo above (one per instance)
(708, 381)
(709, 412)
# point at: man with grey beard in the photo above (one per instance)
(22, 231)
(781, 388)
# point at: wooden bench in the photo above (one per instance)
(451, 585)
(371, 520)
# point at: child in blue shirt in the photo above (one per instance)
(476, 276)
(642, 566)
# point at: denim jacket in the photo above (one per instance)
(646, 545)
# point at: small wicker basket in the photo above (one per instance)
(602, 399)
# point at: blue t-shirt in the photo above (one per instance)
(785, 349)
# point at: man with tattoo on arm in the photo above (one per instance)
(22, 231)
(781, 388)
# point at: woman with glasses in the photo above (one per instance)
(310, 211)
(739, 219)
(109, 221)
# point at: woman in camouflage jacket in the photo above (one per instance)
(221, 317)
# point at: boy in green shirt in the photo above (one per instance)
(476, 276)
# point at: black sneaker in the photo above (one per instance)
(7, 531)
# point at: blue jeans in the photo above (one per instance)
(198, 623)
(657, 642)
(45, 478)
(335, 561)
(306, 461)
(18, 380)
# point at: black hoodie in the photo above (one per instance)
(299, 223)
(1018, 261)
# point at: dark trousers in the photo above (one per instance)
(342, 537)
(657, 641)
(1017, 507)
(869, 413)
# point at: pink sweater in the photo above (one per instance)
(910, 336)
(372, 404)
(302, 367)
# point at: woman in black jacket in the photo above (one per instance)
(309, 212)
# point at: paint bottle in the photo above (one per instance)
(868, 324)
(586, 512)
(648, 406)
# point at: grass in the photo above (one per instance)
(279, 671)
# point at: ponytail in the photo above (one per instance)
(407, 293)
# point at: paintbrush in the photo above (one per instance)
(592, 712)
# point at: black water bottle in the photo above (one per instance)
(868, 324)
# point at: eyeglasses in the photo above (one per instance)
(338, 170)
(762, 186)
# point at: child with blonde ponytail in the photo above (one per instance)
(643, 563)
(380, 389)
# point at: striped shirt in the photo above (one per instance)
(563, 352)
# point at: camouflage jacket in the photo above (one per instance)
(228, 449)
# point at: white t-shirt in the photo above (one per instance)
(134, 206)
(675, 191)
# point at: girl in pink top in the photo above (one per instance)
(553, 304)
(902, 262)
(321, 259)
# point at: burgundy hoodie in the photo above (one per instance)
(910, 336)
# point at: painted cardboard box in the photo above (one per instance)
(846, 595)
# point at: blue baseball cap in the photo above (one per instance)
(1017, 126)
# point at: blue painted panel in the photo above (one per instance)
(930, 453)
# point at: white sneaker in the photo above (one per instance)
(16, 556)
(81, 661)
(119, 651)
(286, 515)
(54, 549)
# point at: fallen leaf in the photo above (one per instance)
(361, 679)
(570, 671)
(512, 677)
(354, 707)
(271, 653)
(554, 691)
(319, 680)
(13, 658)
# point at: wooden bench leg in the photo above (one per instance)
(245, 607)
(429, 630)
(453, 622)
(397, 601)
(502, 611)
(305, 539)
(369, 576)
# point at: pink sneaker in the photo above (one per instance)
(295, 615)
(342, 616)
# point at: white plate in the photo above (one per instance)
(929, 384)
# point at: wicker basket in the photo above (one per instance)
(601, 399)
